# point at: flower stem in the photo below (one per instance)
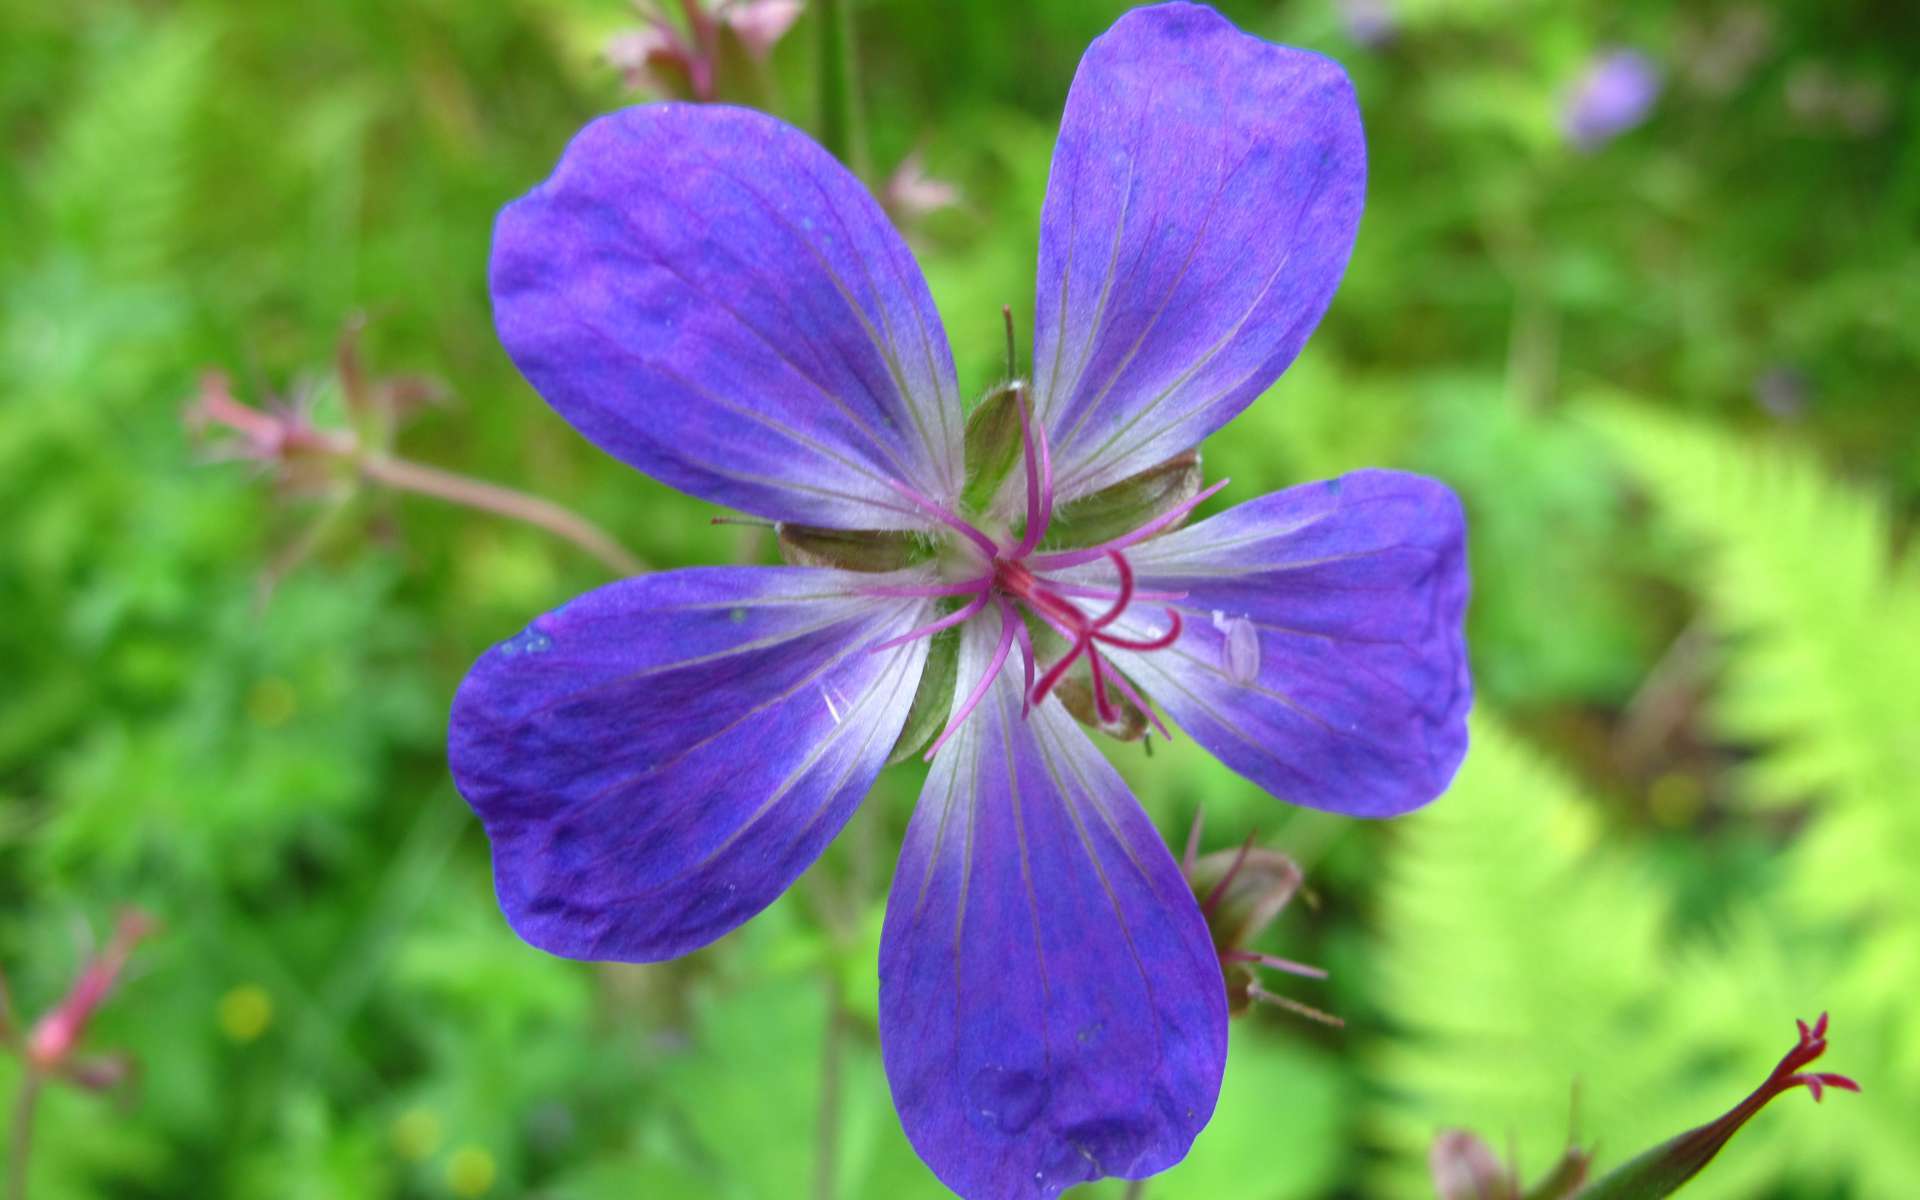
(842, 904)
(487, 497)
(20, 1141)
(833, 1041)
(838, 123)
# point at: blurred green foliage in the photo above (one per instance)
(1689, 816)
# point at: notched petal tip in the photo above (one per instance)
(1202, 205)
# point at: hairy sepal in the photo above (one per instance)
(1127, 505)
(872, 551)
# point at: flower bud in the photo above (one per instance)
(1241, 892)
(1464, 1168)
(1662, 1170)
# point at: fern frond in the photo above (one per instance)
(1821, 677)
(1522, 955)
(117, 177)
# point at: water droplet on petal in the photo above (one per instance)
(528, 641)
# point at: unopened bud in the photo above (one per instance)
(1464, 1168)
(1240, 892)
(1662, 1170)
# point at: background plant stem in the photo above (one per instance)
(20, 1140)
(489, 497)
(839, 121)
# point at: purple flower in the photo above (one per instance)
(1613, 95)
(709, 297)
(1370, 23)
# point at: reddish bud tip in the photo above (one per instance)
(56, 1034)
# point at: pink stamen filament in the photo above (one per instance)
(1274, 962)
(1220, 888)
(1009, 582)
(1134, 698)
(1008, 619)
(1087, 591)
(1263, 996)
(1020, 634)
(928, 630)
(947, 517)
(967, 588)
(1039, 462)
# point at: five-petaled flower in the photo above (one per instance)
(708, 296)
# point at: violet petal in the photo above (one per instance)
(1203, 201)
(708, 296)
(1050, 1008)
(657, 760)
(1357, 588)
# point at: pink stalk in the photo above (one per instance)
(1256, 992)
(1104, 706)
(1220, 889)
(1020, 634)
(979, 693)
(1087, 591)
(1125, 597)
(1119, 681)
(933, 589)
(1052, 677)
(1273, 961)
(1160, 643)
(505, 502)
(1192, 855)
(1039, 482)
(947, 622)
(947, 517)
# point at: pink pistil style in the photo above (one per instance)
(1787, 1075)
(1012, 578)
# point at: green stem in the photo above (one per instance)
(20, 1142)
(833, 1042)
(838, 122)
(488, 497)
(841, 909)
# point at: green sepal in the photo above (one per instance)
(1127, 505)
(850, 550)
(934, 701)
(994, 444)
(1661, 1171)
(1567, 1179)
